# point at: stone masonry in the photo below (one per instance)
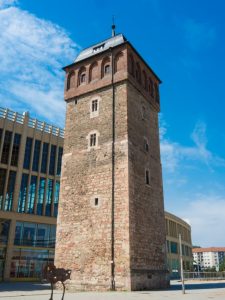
(89, 183)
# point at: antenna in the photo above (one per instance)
(113, 27)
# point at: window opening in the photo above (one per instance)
(94, 105)
(146, 146)
(143, 112)
(93, 140)
(107, 69)
(83, 78)
(96, 201)
(147, 177)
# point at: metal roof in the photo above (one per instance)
(100, 47)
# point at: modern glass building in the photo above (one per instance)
(30, 165)
(174, 227)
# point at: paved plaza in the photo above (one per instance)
(194, 291)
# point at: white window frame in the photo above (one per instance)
(94, 114)
(89, 140)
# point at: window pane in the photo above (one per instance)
(173, 247)
(28, 263)
(14, 270)
(4, 232)
(15, 150)
(27, 154)
(52, 160)
(36, 155)
(29, 230)
(52, 236)
(60, 153)
(10, 191)
(41, 193)
(18, 233)
(93, 140)
(31, 196)
(23, 193)
(42, 239)
(94, 105)
(56, 198)
(6, 147)
(49, 197)
(44, 158)
(2, 185)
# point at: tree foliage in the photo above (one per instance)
(222, 266)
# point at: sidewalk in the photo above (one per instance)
(194, 291)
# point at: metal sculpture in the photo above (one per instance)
(53, 275)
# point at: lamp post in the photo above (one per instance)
(181, 266)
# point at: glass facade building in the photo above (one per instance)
(30, 166)
(174, 227)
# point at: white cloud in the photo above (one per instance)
(173, 153)
(32, 53)
(206, 215)
(6, 3)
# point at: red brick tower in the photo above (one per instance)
(111, 226)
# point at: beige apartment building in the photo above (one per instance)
(30, 166)
(209, 257)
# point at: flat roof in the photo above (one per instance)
(209, 249)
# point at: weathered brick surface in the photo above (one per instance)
(147, 224)
(84, 230)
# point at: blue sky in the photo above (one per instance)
(183, 41)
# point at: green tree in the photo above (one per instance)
(222, 266)
(213, 269)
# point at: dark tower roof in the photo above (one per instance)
(100, 47)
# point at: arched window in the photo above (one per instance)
(156, 93)
(118, 62)
(105, 70)
(144, 80)
(82, 76)
(93, 73)
(70, 80)
(150, 87)
(131, 65)
(138, 72)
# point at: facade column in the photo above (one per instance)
(20, 162)
(9, 250)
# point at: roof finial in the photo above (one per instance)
(113, 27)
